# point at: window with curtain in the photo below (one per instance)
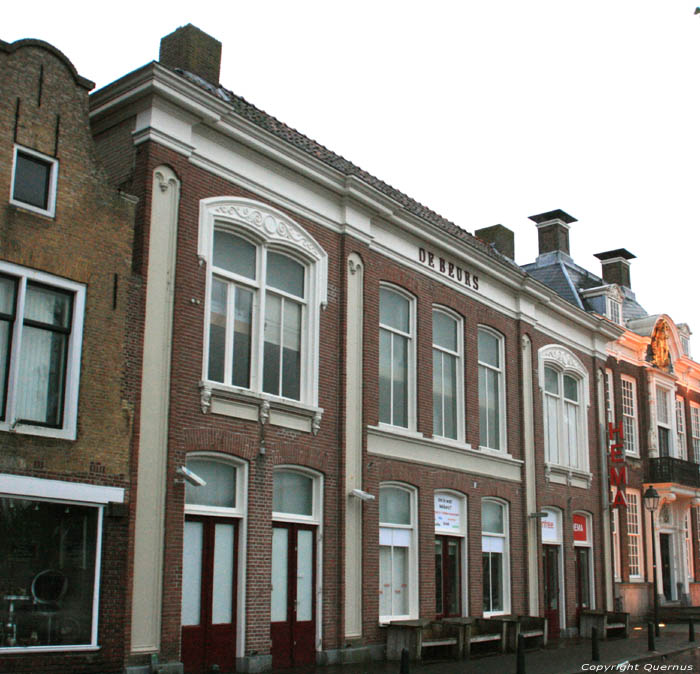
(447, 374)
(491, 390)
(395, 357)
(257, 317)
(563, 418)
(396, 543)
(494, 556)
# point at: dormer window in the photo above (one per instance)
(614, 310)
(605, 300)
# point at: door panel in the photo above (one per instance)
(665, 544)
(292, 609)
(583, 579)
(209, 594)
(550, 555)
(447, 576)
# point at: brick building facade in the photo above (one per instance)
(65, 420)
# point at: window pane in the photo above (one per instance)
(496, 579)
(570, 388)
(292, 493)
(399, 368)
(385, 376)
(552, 428)
(450, 395)
(394, 506)
(453, 573)
(489, 410)
(285, 274)
(8, 290)
(222, 596)
(271, 352)
(384, 580)
(571, 421)
(220, 488)
(399, 585)
(439, 588)
(47, 559)
(217, 331)
(444, 331)
(42, 364)
(192, 573)
(51, 307)
(242, 320)
(492, 517)
(280, 570)
(234, 254)
(394, 310)
(489, 349)
(551, 380)
(32, 176)
(437, 393)
(305, 557)
(291, 355)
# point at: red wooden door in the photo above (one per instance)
(550, 555)
(293, 626)
(209, 594)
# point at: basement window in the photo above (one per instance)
(34, 177)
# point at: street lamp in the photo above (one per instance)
(651, 503)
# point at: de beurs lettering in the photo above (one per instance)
(448, 268)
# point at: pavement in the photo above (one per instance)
(565, 656)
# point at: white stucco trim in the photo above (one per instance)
(58, 490)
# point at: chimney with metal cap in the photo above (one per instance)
(553, 231)
(500, 237)
(616, 266)
(191, 49)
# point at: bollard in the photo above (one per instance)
(520, 657)
(691, 630)
(650, 636)
(595, 646)
(405, 667)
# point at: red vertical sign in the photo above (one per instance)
(618, 469)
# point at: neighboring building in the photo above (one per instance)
(653, 391)
(393, 420)
(65, 416)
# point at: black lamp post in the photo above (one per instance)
(651, 503)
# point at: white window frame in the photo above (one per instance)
(681, 439)
(412, 527)
(50, 209)
(502, 425)
(274, 231)
(565, 362)
(634, 534)
(70, 493)
(663, 392)
(505, 578)
(688, 537)
(609, 396)
(630, 415)
(614, 309)
(411, 370)
(459, 384)
(460, 533)
(615, 533)
(695, 431)
(68, 430)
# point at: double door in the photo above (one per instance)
(292, 607)
(209, 594)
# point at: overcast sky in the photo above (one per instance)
(486, 111)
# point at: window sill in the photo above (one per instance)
(47, 649)
(240, 403)
(572, 477)
(41, 431)
(33, 210)
(398, 430)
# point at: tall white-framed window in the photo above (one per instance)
(664, 420)
(34, 180)
(448, 375)
(61, 524)
(396, 357)
(634, 535)
(41, 331)
(629, 414)
(450, 554)
(614, 309)
(492, 412)
(398, 562)
(681, 441)
(609, 396)
(615, 532)
(688, 536)
(495, 557)
(695, 430)
(266, 282)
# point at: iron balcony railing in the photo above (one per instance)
(670, 469)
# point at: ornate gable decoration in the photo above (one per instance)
(659, 353)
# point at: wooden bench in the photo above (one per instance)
(533, 628)
(616, 622)
(484, 631)
(417, 635)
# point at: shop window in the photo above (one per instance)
(491, 390)
(448, 377)
(397, 564)
(396, 357)
(34, 178)
(41, 318)
(495, 552)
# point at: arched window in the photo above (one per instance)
(397, 549)
(495, 555)
(492, 413)
(266, 282)
(448, 375)
(396, 357)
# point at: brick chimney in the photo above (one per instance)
(553, 231)
(191, 49)
(616, 266)
(500, 237)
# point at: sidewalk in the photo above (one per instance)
(567, 656)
